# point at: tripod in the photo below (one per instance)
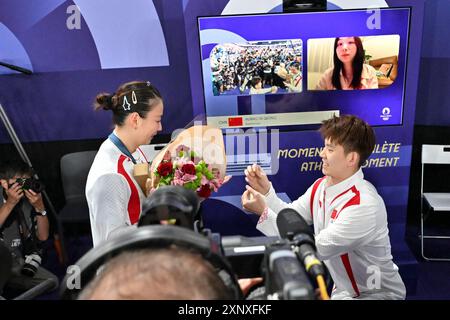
(59, 239)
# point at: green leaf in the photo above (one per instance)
(209, 175)
(190, 185)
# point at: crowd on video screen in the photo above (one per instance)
(257, 68)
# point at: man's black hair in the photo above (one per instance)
(10, 168)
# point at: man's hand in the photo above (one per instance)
(248, 283)
(257, 179)
(14, 193)
(35, 200)
(253, 201)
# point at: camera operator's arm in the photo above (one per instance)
(354, 226)
(15, 193)
(35, 200)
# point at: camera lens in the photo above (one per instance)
(32, 263)
(32, 184)
(171, 203)
(37, 186)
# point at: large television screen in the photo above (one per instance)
(293, 70)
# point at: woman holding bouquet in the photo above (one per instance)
(113, 195)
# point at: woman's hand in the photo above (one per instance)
(149, 187)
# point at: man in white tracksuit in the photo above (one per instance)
(349, 217)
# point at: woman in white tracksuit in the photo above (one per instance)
(113, 195)
(349, 217)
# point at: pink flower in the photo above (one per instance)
(181, 178)
(196, 160)
(204, 180)
(216, 184)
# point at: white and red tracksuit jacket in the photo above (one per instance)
(113, 195)
(351, 234)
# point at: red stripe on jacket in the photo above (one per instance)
(348, 268)
(355, 200)
(313, 193)
(134, 204)
(341, 194)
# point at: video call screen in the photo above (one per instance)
(296, 69)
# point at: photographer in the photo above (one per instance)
(23, 226)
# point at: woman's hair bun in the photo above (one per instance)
(104, 101)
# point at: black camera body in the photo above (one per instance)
(31, 184)
(285, 276)
(275, 260)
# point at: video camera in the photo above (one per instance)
(171, 217)
(288, 265)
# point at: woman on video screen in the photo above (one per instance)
(349, 71)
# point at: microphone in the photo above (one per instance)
(290, 221)
(292, 226)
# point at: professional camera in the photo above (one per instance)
(30, 184)
(288, 266)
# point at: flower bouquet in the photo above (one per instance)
(195, 160)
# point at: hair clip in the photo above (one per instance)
(134, 98)
(126, 105)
